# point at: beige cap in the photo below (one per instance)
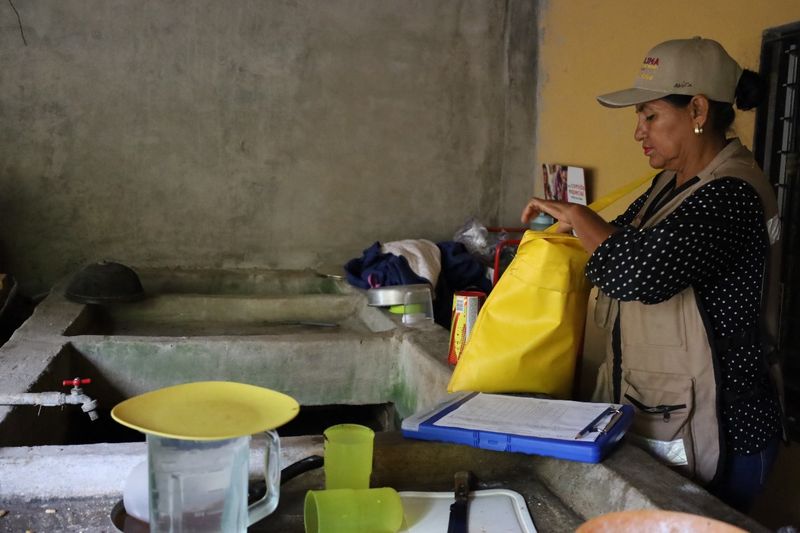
(681, 66)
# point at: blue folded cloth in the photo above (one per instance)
(461, 270)
(375, 269)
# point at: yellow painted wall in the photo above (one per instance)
(590, 47)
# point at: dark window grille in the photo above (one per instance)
(777, 149)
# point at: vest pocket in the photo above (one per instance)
(602, 387)
(663, 405)
(602, 310)
(660, 324)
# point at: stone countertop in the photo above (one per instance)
(68, 515)
(560, 494)
(400, 463)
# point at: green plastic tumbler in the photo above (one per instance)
(353, 511)
(348, 456)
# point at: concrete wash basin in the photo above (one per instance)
(189, 303)
(310, 336)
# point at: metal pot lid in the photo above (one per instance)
(399, 295)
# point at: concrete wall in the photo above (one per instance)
(284, 134)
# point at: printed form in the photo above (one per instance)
(531, 417)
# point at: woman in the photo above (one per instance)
(681, 275)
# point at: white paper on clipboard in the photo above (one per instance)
(530, 417)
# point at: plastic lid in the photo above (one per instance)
(542, 221)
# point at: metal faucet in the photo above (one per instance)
(52, 399)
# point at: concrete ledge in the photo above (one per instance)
(630, 479)
(100, 470)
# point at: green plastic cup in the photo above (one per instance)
(402, 309)
(348, 456)
(353, 511)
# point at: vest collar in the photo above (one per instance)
(733, 151)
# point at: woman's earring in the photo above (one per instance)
(698, 129)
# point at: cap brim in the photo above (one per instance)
(629, 97)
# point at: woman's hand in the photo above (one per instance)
(587, 225)
(556, 209)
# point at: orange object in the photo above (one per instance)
(466, 305)
(655, 520)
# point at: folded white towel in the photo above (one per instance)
(423, 257)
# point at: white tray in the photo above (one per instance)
(490, 511)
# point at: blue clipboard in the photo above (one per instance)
(421, 426)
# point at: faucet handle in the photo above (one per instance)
(76, 382)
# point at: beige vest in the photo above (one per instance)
(668, 369)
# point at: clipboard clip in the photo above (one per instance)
(612, 421)
(615, 412)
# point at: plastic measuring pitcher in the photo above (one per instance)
(198, 448)
(201, 486)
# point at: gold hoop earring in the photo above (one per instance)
(698, 129)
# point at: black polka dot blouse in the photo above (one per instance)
(716, 242)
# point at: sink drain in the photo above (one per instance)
(125, 522)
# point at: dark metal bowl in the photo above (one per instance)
(104, 283)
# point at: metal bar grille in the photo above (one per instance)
(788, 122)
(778, 152)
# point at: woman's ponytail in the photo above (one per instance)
(750, 91)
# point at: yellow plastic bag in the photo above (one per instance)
(530, 330)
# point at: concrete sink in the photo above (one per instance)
(310, 336)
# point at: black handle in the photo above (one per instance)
(257, 489)
(303, 465)
(458, 518)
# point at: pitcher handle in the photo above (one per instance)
(266, 505)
